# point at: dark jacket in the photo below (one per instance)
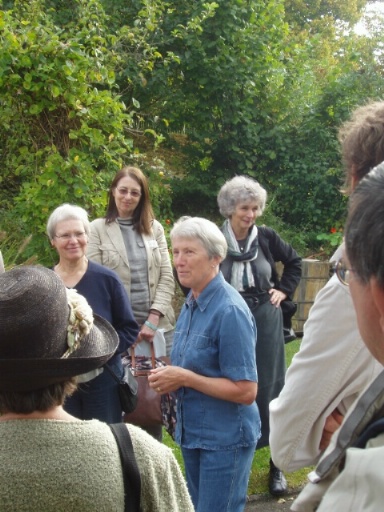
(275, 250)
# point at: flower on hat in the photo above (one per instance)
(80, 321)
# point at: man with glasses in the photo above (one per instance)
(350, 474)
(333, 365)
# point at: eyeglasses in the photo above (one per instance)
(67, 236)
(342, 271)
(125, 192)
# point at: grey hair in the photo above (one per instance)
(203, 230)
(364, 231)
(238, 190)
(67, 212)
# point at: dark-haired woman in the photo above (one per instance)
(130, 241)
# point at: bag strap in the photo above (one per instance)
(372, 431)
(131, 475)
(133, 357)
(112, 373)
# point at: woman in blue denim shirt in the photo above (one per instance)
(213, 371)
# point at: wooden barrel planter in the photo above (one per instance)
(314, 275)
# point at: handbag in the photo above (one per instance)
(148, 410)
(128, 388)
(131, 474)
(152, 408)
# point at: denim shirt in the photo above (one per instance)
(215, 336)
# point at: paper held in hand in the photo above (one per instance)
(144, 348)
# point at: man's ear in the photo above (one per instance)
(354, 181)
(378, 298)
(353, 178)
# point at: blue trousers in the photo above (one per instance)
(218, 480)
(97, 399)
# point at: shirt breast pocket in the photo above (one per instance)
(201, 342)
(203, 354)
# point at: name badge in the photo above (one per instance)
(153, 244)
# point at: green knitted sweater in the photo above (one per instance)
(61, 466)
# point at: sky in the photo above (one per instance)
(374, 9)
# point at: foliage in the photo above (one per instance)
(62, 126)
(257, 87)
(217, 66)
(326, 79)
(330, 240)
(233, 95)
(207, 81)
(304, 13)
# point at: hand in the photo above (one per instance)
(332, 423)
(146, 334)
(166, 378)
(277, 296)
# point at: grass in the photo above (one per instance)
(258, 481)
(13, 251)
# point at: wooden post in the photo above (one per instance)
(314, 275)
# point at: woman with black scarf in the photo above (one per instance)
(250, 267)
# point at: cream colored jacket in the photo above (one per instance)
(347, 478)
(106, 246)
(330, 370)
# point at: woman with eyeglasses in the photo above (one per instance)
(68, 229)
(132, 242)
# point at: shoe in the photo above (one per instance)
(277, 482)
(289, 335)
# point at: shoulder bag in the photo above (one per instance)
(131, 475)
(128, 388)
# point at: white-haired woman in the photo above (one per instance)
(250, 267)
(213, 371)
(68, 230)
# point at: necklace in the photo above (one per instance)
(242, 244)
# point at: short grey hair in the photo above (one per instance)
(238, 190)
(67, 212)
(364, 230)
(203, 230)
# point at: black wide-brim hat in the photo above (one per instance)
(34, 316)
